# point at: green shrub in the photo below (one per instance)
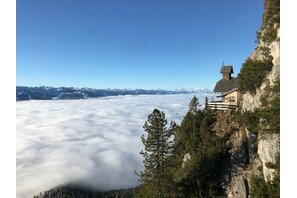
(269, 189)
(262, 189)
(252, 74)
(269, 35)
(266, 118)
(248, 119)
(258, 188)
(270, 110)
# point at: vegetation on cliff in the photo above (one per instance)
(195, 177)
(266, 118)
(270, 189)
(270, 21)
(253, 72)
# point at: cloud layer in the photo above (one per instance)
(94, 142)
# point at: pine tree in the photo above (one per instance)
(157, 149)
(193, 106)
(190, 126)
(198, 176)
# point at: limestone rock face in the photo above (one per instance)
(244, 163)
(240, 189)
(247, 153)
(252, 144)
(239, 154)
(262, 149)
(268, 146)
(249, 101)
(186, 158)
(233, 177)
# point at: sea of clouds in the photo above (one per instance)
(92, 142)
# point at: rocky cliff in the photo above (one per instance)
(247, 155)
(252, 101)
(250, 152)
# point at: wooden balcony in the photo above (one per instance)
(221, 106)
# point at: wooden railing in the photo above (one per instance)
(221, 106)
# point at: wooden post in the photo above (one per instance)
(206, 102)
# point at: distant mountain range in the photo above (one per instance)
(60, 93)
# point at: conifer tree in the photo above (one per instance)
(190, 123)
(193, 106)
(198, 176)
(157, 149)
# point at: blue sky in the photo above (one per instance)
(132, 43)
